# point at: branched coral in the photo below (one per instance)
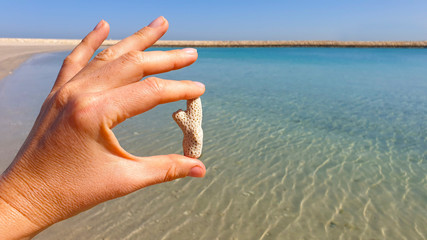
(190, 122)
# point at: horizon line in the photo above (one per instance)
(228, 43)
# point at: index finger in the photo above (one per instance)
(133, 99)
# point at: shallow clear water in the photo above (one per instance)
(300, 143)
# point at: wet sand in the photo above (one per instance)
(301, 144)
(11, 56)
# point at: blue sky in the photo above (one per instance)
(222, 20)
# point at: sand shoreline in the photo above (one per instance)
(14, 51)
(11, 56)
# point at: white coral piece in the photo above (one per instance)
(190, 122)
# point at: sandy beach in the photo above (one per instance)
(14, 51)
(11, 56)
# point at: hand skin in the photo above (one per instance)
(71, 160)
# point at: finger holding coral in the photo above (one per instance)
(136, 98)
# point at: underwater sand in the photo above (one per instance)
(300, 143)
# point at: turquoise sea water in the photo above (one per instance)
(300, 143)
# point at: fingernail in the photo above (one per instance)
(199, 84)
(157, 22)
(191, 51)
(99, 25)
(196, 172)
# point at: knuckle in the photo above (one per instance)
(69, 60)
(61, 97)
(76, 109)
(175, 169)
(106, 55)
(143, 34)
(176, 59)
(81, 102)
(79, 109)
(172, 172)
(85, 41)
(134, 56)
(156, 85)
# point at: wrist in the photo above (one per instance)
(13, 224)
(15, 207)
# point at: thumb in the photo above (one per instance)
(148, 171)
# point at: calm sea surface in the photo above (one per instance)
(300, 143)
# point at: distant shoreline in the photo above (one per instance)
(332, 44)
(14, 51)
(180, 43)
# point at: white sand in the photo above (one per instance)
(11, 56)
(14, 51)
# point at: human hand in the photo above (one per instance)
(71, 160)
